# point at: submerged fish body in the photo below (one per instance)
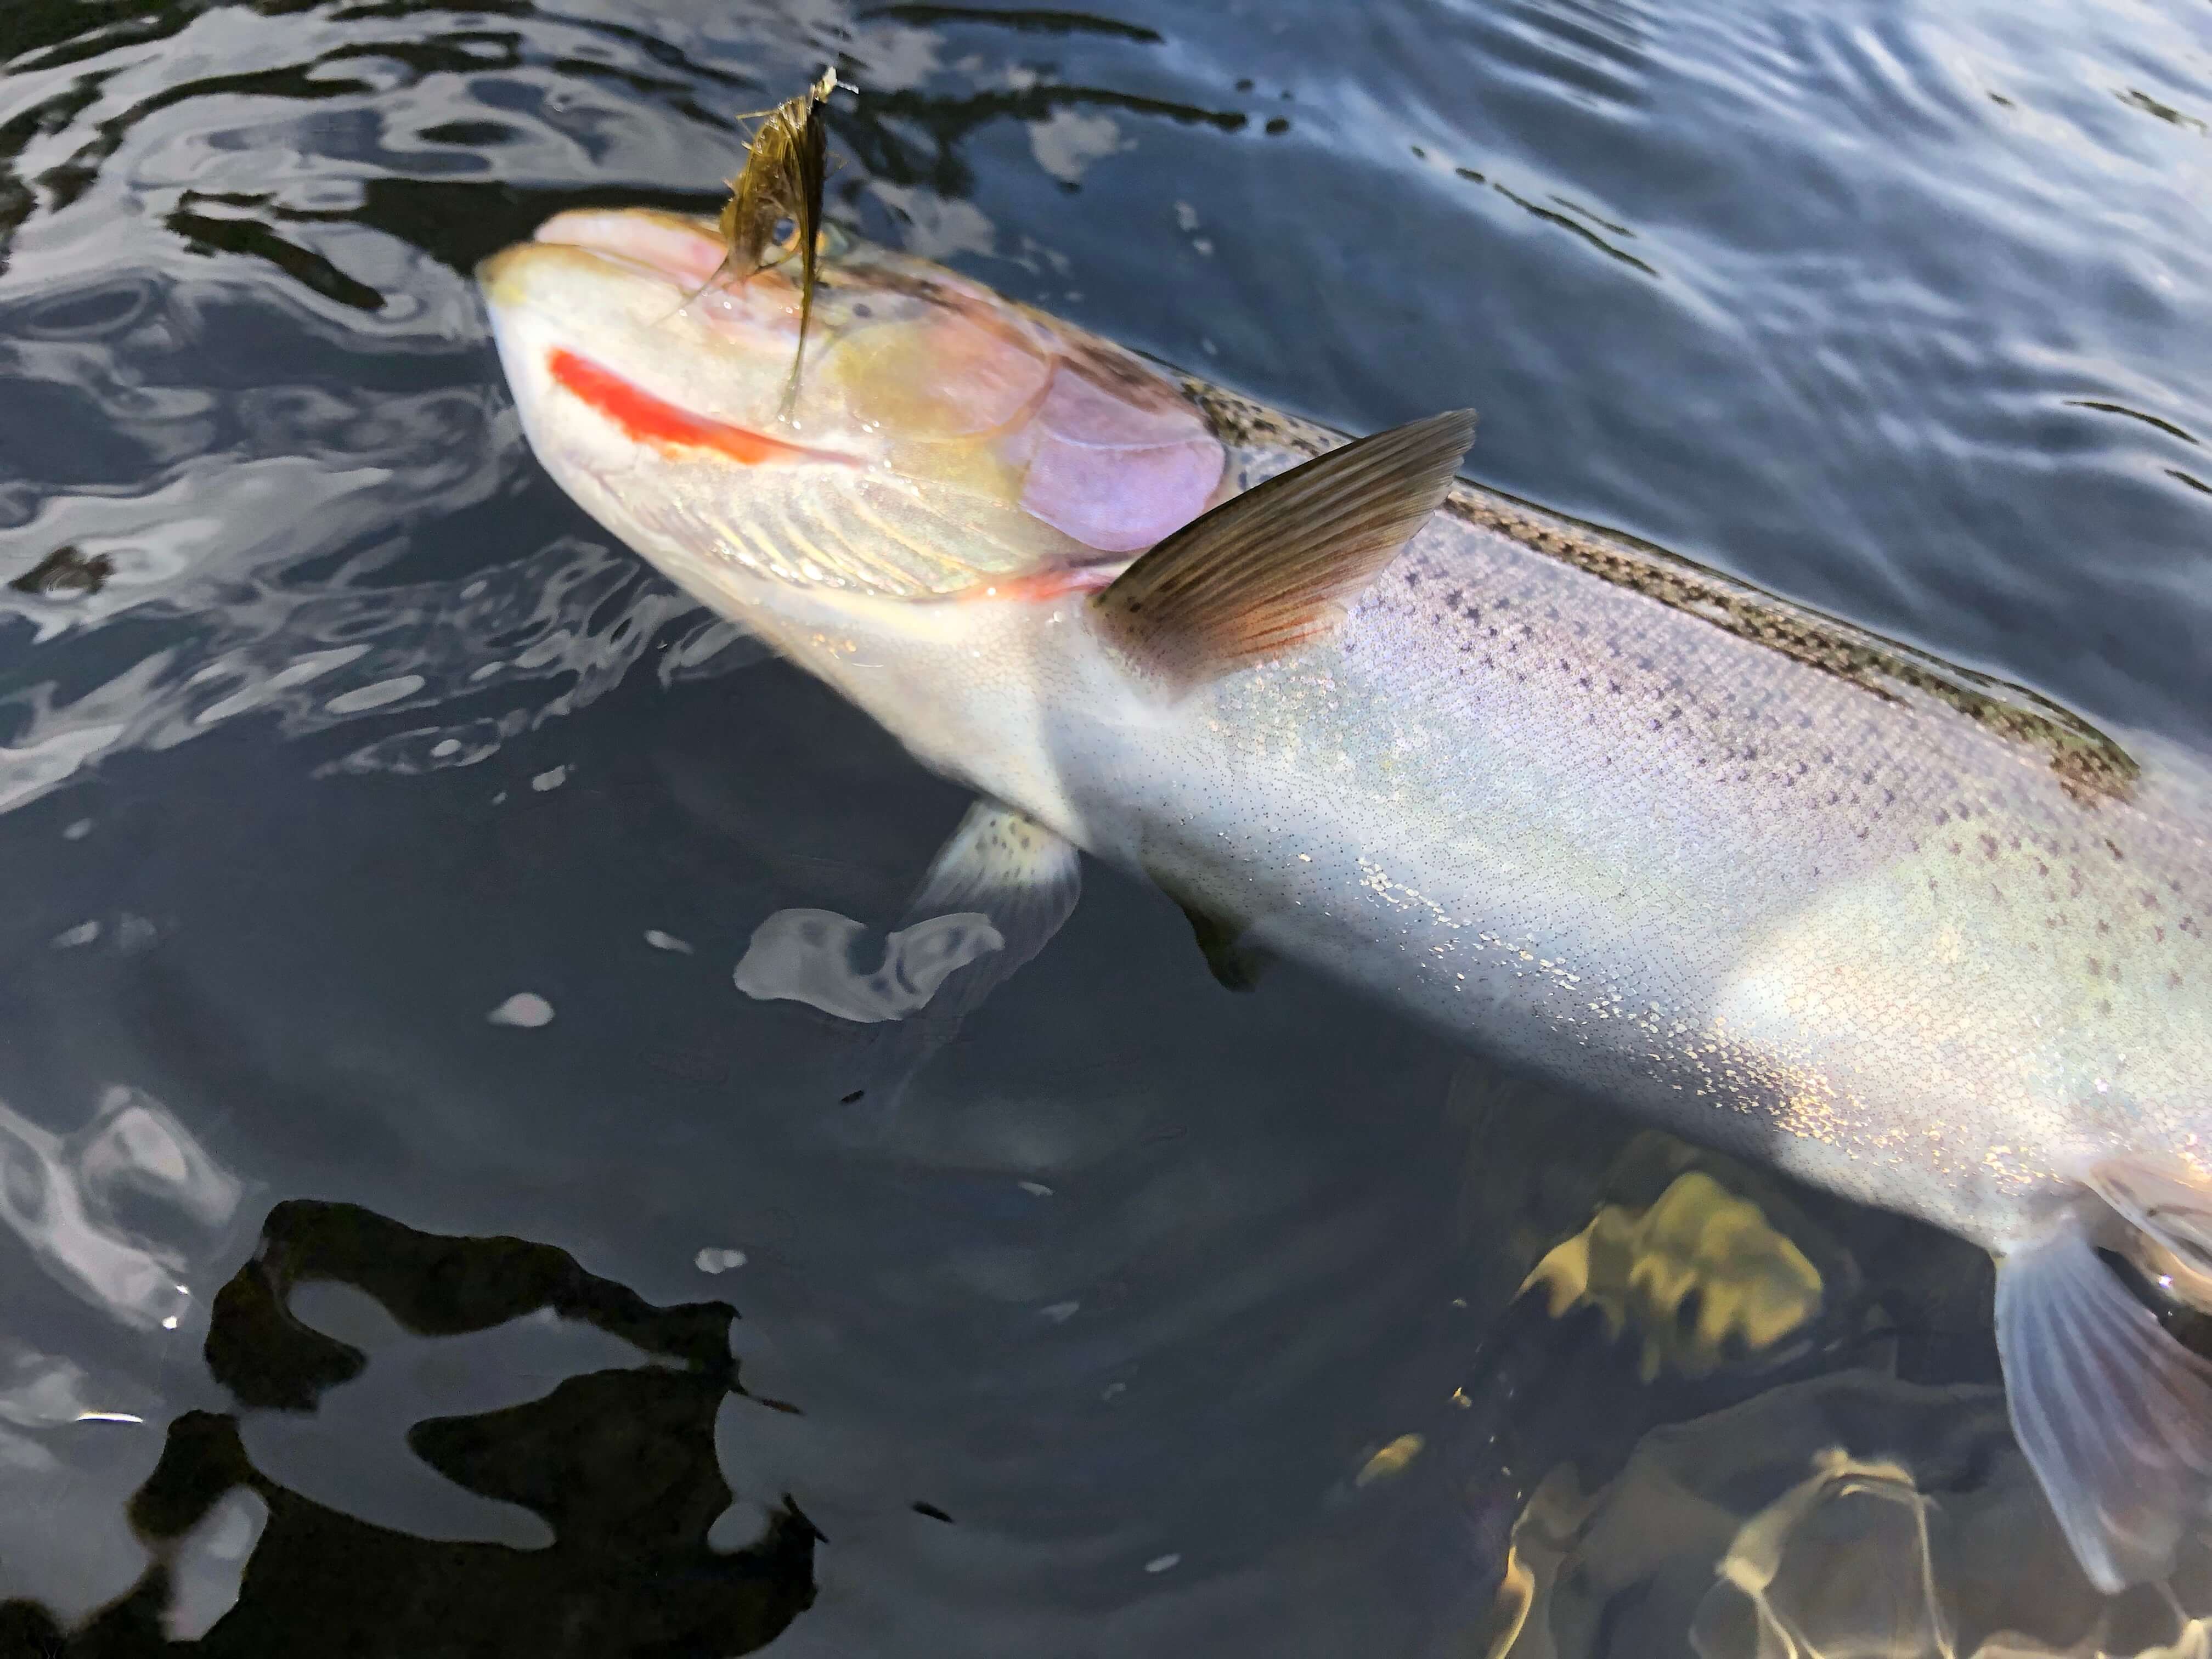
(1920, 938)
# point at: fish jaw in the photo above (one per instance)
(629, 403)
(620, 305)
(941, 441)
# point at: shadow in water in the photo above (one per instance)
(619, 1464)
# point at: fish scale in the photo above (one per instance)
(1794, 869)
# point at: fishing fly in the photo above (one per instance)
(780, 185)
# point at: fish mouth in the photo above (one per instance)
(684, 250)
(659, 263)
(934, 438)
(668, 248)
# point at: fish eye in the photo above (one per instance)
(784, 228)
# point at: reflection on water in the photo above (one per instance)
(615, 1465)
(64, 1198)
(1850, 1516)
(45, 1392)
(806, 956)
(1697, 1270)
(362, 881)
(207, 1565)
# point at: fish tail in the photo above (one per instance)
(2113, 1413)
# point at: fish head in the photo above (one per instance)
(936, 443)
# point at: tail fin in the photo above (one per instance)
(2115, 1415)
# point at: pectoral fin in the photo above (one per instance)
(1000, 865)
(1007, 866)
(1272, 567)
(2114, 1413)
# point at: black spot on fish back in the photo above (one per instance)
(2091, 766)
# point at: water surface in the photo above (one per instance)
(415, 1241)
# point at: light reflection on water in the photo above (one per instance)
(1148, 1319)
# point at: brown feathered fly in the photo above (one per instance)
(786, 164)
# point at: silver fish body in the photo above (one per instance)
(1779, 885)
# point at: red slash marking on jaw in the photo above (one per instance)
(654, 420)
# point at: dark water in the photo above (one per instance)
(335, 1315)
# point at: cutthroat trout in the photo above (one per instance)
(1787, 887)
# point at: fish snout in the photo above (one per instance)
(684, 250)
